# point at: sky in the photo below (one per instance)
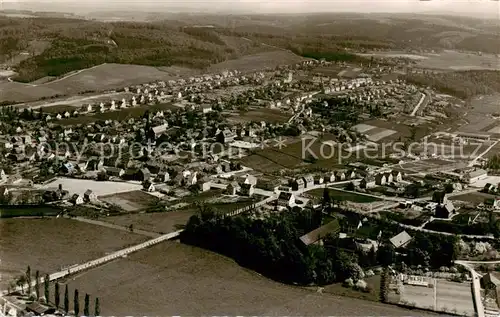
(473, 7)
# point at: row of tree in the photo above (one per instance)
(26, 280)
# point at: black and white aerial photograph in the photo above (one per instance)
(249, 158)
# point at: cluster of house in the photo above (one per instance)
(381, 179)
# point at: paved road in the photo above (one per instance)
(476, 285)
(422, 99)
(477, 158)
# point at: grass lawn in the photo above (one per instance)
(372, 295)
(184, 280)
(160, 222)
(47, 244)
(344, 196)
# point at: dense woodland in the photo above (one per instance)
(462, 84)
(59, 45)
(270, 245)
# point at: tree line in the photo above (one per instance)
(26, 280)
(271, 246)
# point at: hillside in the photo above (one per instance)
(51, 46)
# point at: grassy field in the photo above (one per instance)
(59, 109)
(47, 244)
(161, 222)
(258, 61)
(372, 295)
(176, 279)
(475, 197)
(131, 201)
(263, 114)
(298, 153)
(100, 78)
(79, 186)
(344, 196)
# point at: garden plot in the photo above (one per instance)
(362, 128)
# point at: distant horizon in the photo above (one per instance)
(472, 8)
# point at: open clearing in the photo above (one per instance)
(79, 186)
(77, 101)
(343, 196)
(176, 279)
(50, 243)
(258, 61)
(447, 60)
(131, 201)
(267, 115)
(161, 222)
(99, 78)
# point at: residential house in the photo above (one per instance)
(89, 196)
(489, 188)
(3, 176)
(249, 179)
(340, 176)
(316, 236)
(492, 203)
(368, 182)
(76, 199)
(159, 130)
(298, 184)
(225, 136)
(308, 181)
(381, 179)
(148, 186)
(397, 176)
(318, 179)
(247, 189)
(351, 174)
(206, 108)
(329, 177)
(444, 210)
(286, 199)
(68, 168)
(205, 185)
(233, 188)
(163, 177)
(94, 164)
(114, 171)
(191, 179)
(401, 240)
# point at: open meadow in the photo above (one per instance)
(175, 279)
(258, 61)
(130, 201)
(79, 186)
(103, 77)
(261, 114)
(160, 222)
(51, 243)
(447, 60)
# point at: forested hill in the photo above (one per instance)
(71, 44)
(54, 46)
